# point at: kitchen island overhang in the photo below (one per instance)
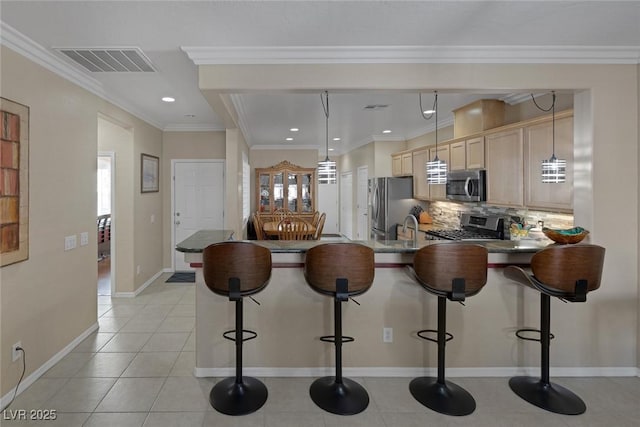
(291, 317)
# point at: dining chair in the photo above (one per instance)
(318, 233)
(293, 229)
(316, 217)
(258, 226)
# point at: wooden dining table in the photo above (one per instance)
(270, 228)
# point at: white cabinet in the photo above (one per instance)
(458, 154)
(504, 159)
(538, 146)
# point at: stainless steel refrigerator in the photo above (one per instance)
(390, 200)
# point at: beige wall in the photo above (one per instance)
(444, 134)
(183, 145)
(233, 215)
(50, 299)
(606, 123)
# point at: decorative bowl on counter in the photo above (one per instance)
(566, 236)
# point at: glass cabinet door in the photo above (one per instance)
(307, 189)
(278, 191)
(265, 193)
(292, 192)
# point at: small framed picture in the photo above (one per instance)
(149, 173)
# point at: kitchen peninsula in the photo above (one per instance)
(291, 317)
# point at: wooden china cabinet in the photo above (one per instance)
(286, 186)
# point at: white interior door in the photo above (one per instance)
(328, 203)
(362, 207)
(346, 204)
(198, 194)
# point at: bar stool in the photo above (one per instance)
(451, 271)
(341, 271)
(567, 273)
(236, 270)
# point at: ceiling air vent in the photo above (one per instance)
(375, 106)
(110, 60)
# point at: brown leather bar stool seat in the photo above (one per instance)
(451, 271)
(340, 271)
(567, 273)
(237, 270)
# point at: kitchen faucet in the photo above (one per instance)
(415, 228)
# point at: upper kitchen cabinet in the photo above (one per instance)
(286, 186)
(402, 164)
(475, 153)
(477, 117)
(439, 191)
(504, 160)
(538, 146)
(458, 153)
(420, 187)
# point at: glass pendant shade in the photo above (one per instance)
(327, 171)
(436, 171)
(554, 170)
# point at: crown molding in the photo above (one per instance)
(413, 54)
(239, 105)
(18, 42)
(177, 127)
(284, 147)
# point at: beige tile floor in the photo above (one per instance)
(137, 370)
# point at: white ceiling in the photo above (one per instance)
(527, 31)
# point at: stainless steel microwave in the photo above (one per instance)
(467, 185)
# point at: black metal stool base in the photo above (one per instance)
(447, 398)
(549, 396)
(233, 398)
(346, 398)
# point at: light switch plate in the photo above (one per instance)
(70, 242)
(84, 238)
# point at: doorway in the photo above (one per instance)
(104, 221)
(197, 201)
(362, 206)
(346, 204)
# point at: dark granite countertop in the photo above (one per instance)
(201, 239)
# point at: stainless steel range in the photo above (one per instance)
(472, 227)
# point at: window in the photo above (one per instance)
(104, 185)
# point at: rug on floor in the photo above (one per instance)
(182, 277)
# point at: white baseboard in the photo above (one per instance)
(26, 382)
(140, 289)
(417, 372)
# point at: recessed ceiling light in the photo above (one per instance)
(168, 99)
(336, 139)
(294, 129)
(331, 149)
(288, 139)
(386, 131)
(429, 111)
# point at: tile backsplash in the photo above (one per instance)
(447, 214)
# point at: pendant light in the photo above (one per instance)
(436, 168)
(326, 167)
(554, 169)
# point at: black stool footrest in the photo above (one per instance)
(422, 334)
(332, 338)
(520, 333)
(231, 335)
(232, 398)
(547, 395)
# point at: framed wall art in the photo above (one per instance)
(14, 182)
(150, 173)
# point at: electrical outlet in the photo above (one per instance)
(15, 353)
(70, 242)
(387, 334)
(138, 270)
(84, 238)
